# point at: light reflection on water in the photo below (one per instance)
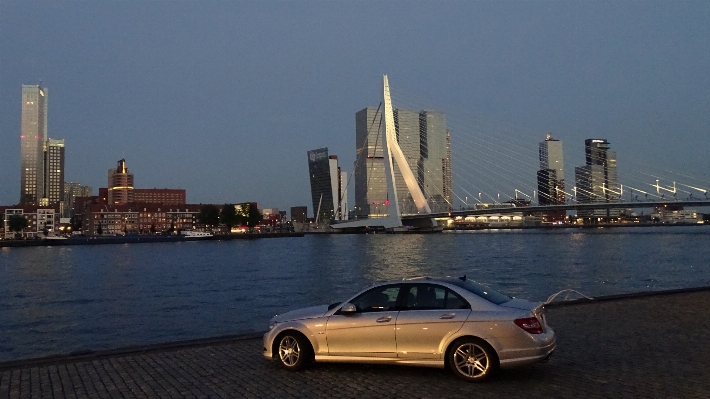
(62, 299)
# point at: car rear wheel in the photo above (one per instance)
(473, 360)
(293, 351)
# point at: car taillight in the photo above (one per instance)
(529, 324)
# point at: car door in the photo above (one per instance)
(430, 314)
(370, 330)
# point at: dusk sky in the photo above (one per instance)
(224, 98)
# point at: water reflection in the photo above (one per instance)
(392, 256)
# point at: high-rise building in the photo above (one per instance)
(406, 124)
(435, 144)
(597, 181)
(551, 178)
(426, 145)
(326, 190)
(120, 185)
(71, 191)
(54, 172)
(33, 135)
(371, 197)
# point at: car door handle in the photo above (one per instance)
(448, 316)
(384, 319)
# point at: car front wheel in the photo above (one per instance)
(473, 360)
(293, 351)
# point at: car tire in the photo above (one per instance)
(293, 351)
(472, 360)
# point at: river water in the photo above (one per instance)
(56, 300)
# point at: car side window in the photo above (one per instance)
(378, 299)
(429, 296)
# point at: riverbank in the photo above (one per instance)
(139, 239)
(603, 351)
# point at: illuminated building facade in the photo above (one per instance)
(101, 219)
(165, 196)
(426, 145)
(120, 185)
(370, 184)
(54, 172)
(597, 181)
(33, 135)
(325, 184)
(73, 190)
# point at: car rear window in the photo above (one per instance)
(482, 291)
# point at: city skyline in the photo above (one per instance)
(123, 89)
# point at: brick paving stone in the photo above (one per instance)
(650, 347)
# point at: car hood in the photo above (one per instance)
(522, 304)
(300, 314)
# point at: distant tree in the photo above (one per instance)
(253, 217)
(75, 222)
(16, 223)
(209, 215)
(228, 216)
(99, 230)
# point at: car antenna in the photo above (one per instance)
(463, 278)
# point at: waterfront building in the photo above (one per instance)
(674, 214)
(33, 135)
(551, 178)
(120, 185)
(426, 145)
(299, 214)
(54, 173)
(370, 185)
(435, 164)
(325, 188)
(409, 138)
(597, 181)
(164, 196)
(336, 186)
(126, 219)
(41, 221)
(73, 190)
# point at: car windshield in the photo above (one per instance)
(482, 291)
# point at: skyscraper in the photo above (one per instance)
(551, 178)
(426, 145)
(406, 124)
(435, 144)
(33, 135)
(71, 191)
(325, 188)
(370, 184)
(54, 171)
(120, 185)
(597, 181)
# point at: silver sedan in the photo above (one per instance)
(441, 322)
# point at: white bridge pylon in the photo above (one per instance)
(392, 153)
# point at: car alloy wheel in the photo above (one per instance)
(292, 352)
(473, 360)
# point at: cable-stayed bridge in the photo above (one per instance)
(494, 169)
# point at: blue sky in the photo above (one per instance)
(224, 99)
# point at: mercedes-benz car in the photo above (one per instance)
(445, 322)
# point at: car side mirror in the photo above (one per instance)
(348, 308)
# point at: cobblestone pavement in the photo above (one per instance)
(646, 347)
